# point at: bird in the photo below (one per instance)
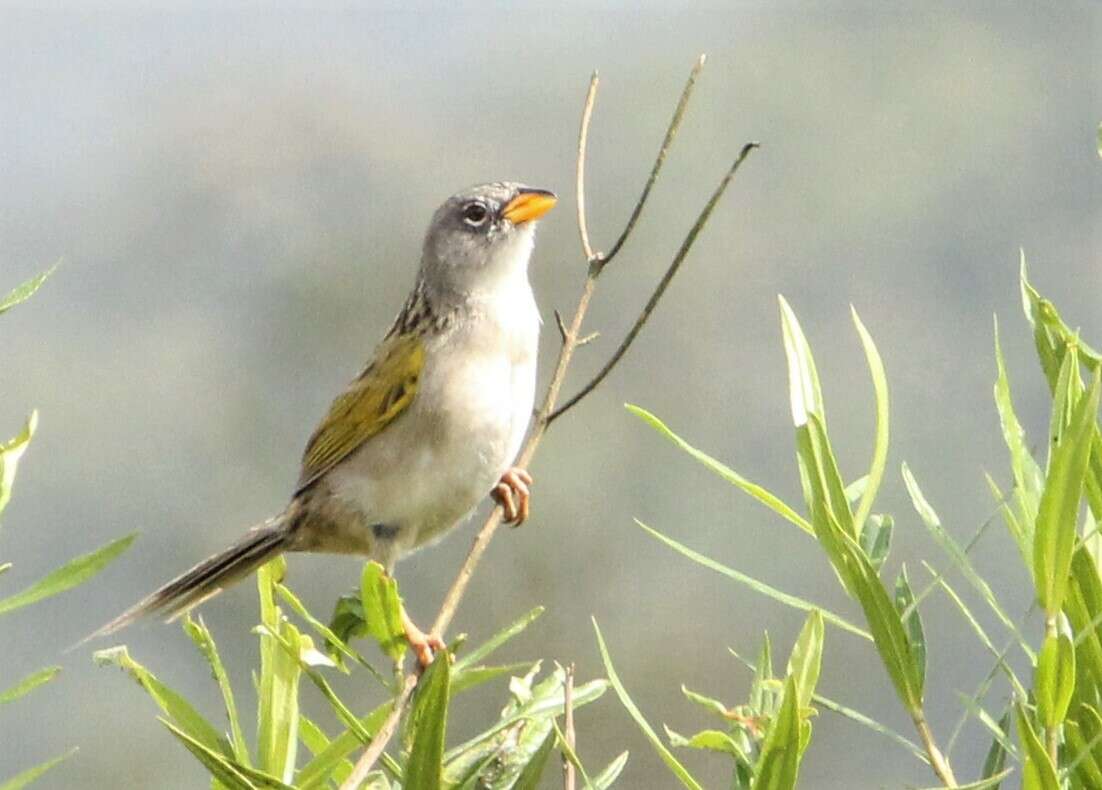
(431, 425)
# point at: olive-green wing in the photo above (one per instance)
(382, 392)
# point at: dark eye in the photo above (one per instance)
(475, 214)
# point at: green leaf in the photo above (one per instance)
(318, 770)
(671, 762)
(477, 675)
(768, 499)
(31, 774)
(885, 623)
(754, 584)
(429, 717)
(912, 622)
(958, 555)
(281, 644)
(382, 610)
(707, 740)
(880, 448)
(201, 636)
(224, 769)
(867, 721)
(763, 674)
(995, 762)
(28, 684)
(1084, 745)
(176, 707)
(876, 539)
(1028, 479)
(25, 291)
(1038, 772)
(1057, 516)
(804, 392)
(611, 773)
(10, 453)
(529, 778)
(1055, 679)
(825, 495)
(337, 647)
(76, 571)
(779, 762)
(494, 642)
(806, 658)
(1082, 605)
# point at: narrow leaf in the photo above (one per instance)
(1055, 679)
(880, 448)
(755, 585)
(28, 684)
(76, 571)
(429, 720)
(481, 652)
(611, 773)
(806, 658)
(995, 762)
(912, 622)
(10, 453)
(201, 636)
(779, 762)
(383, 610)
(768, 499)
(23, 779)
(804, 392)
(25, 291)
(1057, 515)
(1038, 773)
(671, 762)
(181, 712)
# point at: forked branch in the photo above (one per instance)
(572, 339)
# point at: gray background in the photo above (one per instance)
(239, 197)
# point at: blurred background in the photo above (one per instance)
(239, 198)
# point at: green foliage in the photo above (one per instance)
(511, 753)
(69, 575)
(1042, 514)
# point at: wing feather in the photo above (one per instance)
(370, 403)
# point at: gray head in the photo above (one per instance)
(482, 236)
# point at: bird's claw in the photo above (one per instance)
(423, 645)
(514, 495)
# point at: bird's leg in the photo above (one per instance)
(513, 494)
(423, 644)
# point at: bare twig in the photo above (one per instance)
(660, 289)
(667, 141)
(562, 327)
(568, 726)
(579, 180)
(382, 737)
(546, 412)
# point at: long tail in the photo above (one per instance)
(209, 577)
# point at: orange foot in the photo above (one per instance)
(513, 494)
(423, 644)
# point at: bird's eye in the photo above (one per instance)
(475, 214)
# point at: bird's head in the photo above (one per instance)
(483, 236)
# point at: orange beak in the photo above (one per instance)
(530, 204)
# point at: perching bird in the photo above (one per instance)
(432, 424)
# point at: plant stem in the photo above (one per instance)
(1052, 734)
(937, 760)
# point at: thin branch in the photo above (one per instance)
(937, 760)
(660, 289)
(546, 412)
(562, 327)
(667, 141)
(579, 180)
(382, 737)
(568, 726)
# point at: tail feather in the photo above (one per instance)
(208, 578)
